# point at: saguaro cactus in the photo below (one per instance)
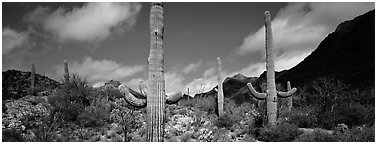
(32, 80)
(289, 99)
(220, 94)
(66, 72)
(286, 103)
(271, 92)
(154, 97)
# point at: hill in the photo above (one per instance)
(16, 84)
(347, 54)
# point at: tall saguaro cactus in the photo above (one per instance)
(271, 93)
(66, 72)
(153, 96)
(220, 94)
(32, 80)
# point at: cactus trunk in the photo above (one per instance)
(156, 83)
(285, 102)
(66, 72)
(220, 94)
(153, 96)
(289, 99)
(270, 66)
(32, 80)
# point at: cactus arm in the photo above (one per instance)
(137, 94)
(286, 94)
(174, 98)
(32, 77)
(143, 88)
(257, 95)
(66, 72)
(131, 99)
(220, 93)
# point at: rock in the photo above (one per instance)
(191, 140)
(94, 138)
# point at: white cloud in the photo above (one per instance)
(91, 22)
(302, 26)
(287, 62)
(13, 39)
(100, 70)
(37, 16)
(99, 84)
(191, 67)
(209, 72)
(173, 82)
(134, 83)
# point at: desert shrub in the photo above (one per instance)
(127, 119)
(332, 103)
(46, 131)
(254, 128)
(12, 135)
(187, 103)
(352, 115)
(97, 114)
(364, 134)
(185, 137)
(71, 98)
(221, 135)
(112, 93)
(319, 135)
(237, 112)
(207, 104)
(303, 117)
(283, 132)
(225, 121)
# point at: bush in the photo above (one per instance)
(352, 115)
(128, 122)
(319, 135)
(221, 135)
(112, 93)
(283, 132)
(356, 134)
(237, 112)
(96, 114)
(71, 98)
(225, 121)
(12, 135)
(303, 117)
(207, 104)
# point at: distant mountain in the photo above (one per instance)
(16, 84)
(347, 54)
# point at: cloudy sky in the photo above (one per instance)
(110, 41)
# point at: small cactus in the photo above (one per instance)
(220, 94)
(271, 92)
(32, 80)
(66, 72)
(286, 103)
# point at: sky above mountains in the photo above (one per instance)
(110, 41)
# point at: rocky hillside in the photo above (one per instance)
(16, 84)
(347, 54)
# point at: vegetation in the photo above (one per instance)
(78, 112)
